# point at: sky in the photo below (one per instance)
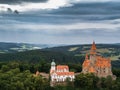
(60, 21)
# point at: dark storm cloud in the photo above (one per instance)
(19, 1)
(84, 11)
(91, 9)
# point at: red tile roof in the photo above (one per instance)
(64, 73)
(61, 67)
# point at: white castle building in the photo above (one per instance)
(60, 73)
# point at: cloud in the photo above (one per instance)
(62, 21)
(107, 8)
(97, 0)
(19, 1)
(58, 34)
(50, 4)
(77, 30)
(67, 33)
(107, 26)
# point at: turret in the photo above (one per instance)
(93, 49)
(93, 53)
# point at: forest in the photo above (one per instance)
(16, 75)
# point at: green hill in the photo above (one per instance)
(6, 47)
(64, 54)
(106, 50)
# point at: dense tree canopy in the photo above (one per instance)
(19, 76)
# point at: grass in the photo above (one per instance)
(73, 49)
(113, 58)
(104, 50)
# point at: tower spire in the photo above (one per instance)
(93, 48)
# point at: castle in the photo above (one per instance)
(60, 73)
(95, 63)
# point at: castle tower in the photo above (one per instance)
(97, 64)
(53, 66)
(86, 64)
(93, 53)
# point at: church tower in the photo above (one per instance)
(53, 66)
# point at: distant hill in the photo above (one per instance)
(20, 47)
(106, 50)
(62, 54)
